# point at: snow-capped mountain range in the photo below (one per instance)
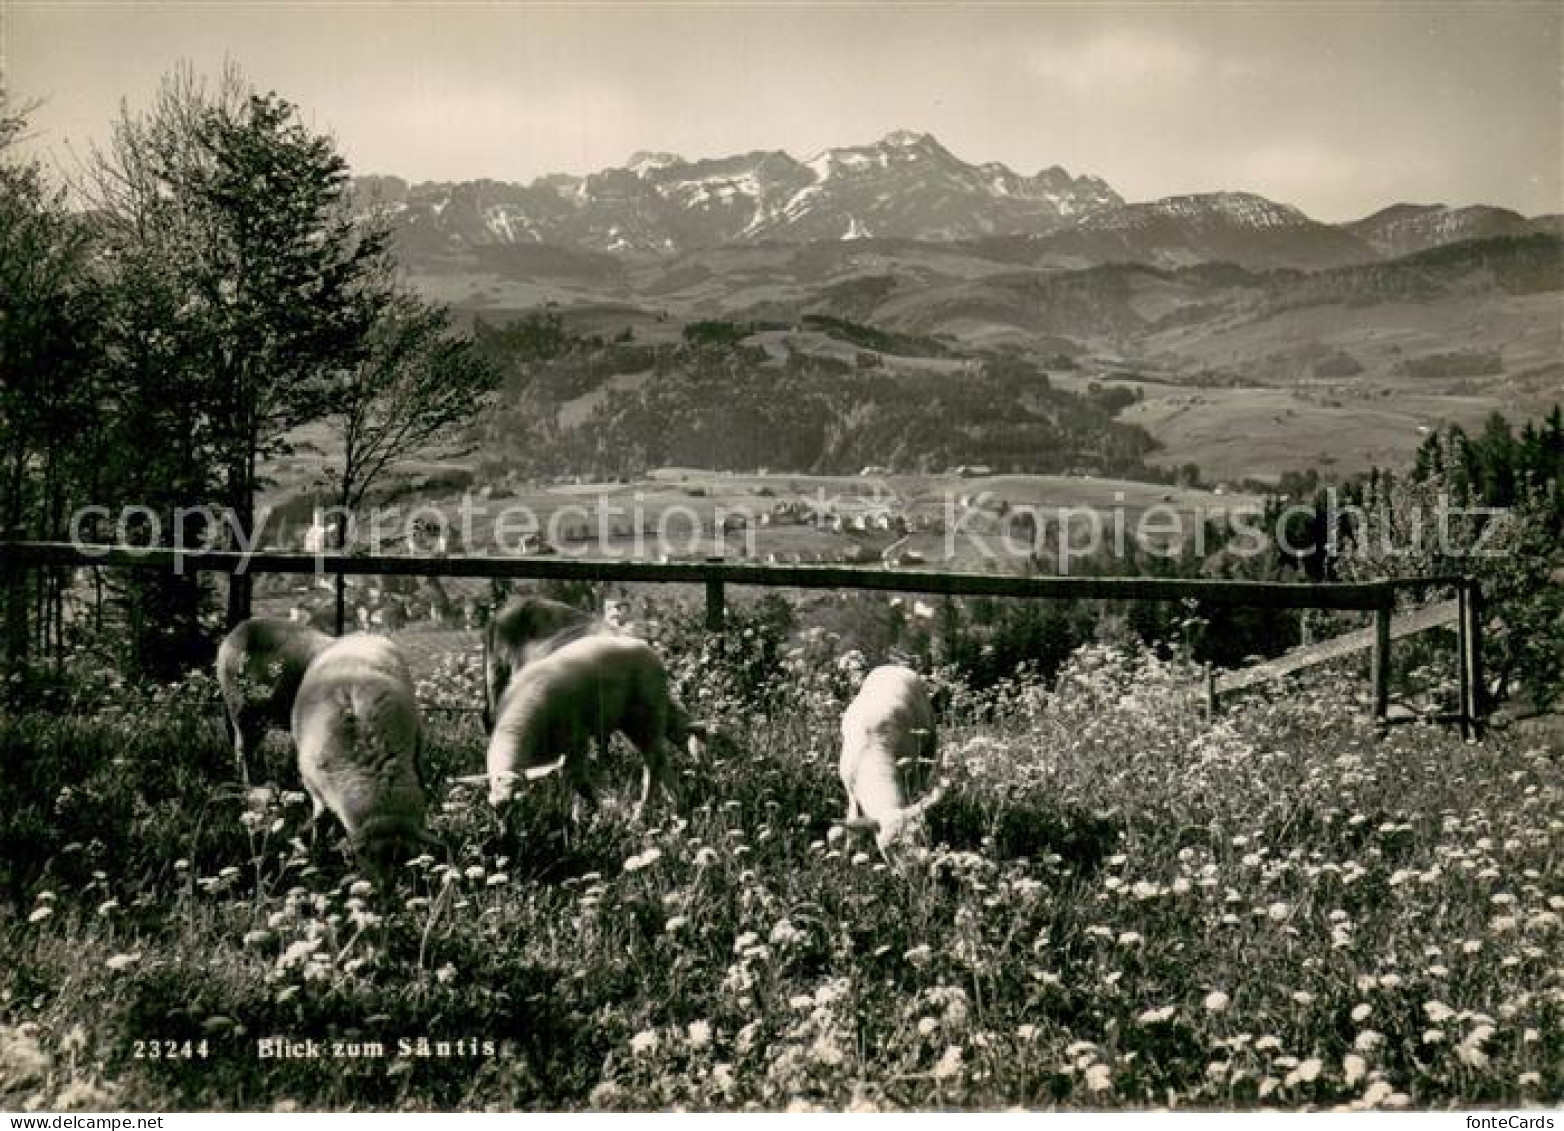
(906, 186)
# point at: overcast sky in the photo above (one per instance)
(1336, 108)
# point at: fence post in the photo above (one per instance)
(1472, 661)
(714, 606)
(1211, 698)
(1380, 663)
(1463, 672)
(13, 575)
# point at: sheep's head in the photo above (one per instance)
(503, 783)
(903, 824)
(383, 843)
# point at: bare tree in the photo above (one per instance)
(417, 386)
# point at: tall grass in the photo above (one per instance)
(1119, 904)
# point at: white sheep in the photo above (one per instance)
(259, 667)
(357, 728)
(889, 751)
(526, 629)
(584, 691)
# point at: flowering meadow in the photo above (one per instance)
(1119, 904)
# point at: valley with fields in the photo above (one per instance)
(870, 630)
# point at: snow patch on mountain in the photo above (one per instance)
(642, 163)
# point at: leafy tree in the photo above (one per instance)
(1444, 518)
(49, 355)
(235, 219)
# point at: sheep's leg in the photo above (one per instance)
(585, 801)
(243, 742)
(654, 776)
(252, 733)
(853, 810)
(317, 818)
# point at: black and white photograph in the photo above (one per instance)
(782, 557)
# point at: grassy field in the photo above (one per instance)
(1120, 904)
(1232, 434)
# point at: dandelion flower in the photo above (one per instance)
(1217, 1002)
(1437, 1011)
(1306, 1072)
(926, 1026)
(1099, 1078)
(949, 1064)
(1302, 997)
(784, 933)
(677, 923)
(122, 961)
(1377, 1093)
(644, 1042)
(1278, 912)
(1470, 1050)
(643, 860)
(1157, 1016)
(699, 1034)
(1368, 1039)
(1353, 1068)
(1361, 1011)
(1026, 1032)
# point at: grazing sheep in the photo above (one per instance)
(587, 689)
(888, 753)
(358, 731)
(259, 666)
(526, 629)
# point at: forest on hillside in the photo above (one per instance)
(715, 400)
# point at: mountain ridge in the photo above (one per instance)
(906, 185)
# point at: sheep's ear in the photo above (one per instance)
(538, 773)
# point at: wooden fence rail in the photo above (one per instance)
(1377, 639)
(1378, 597)
(1408, 624)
